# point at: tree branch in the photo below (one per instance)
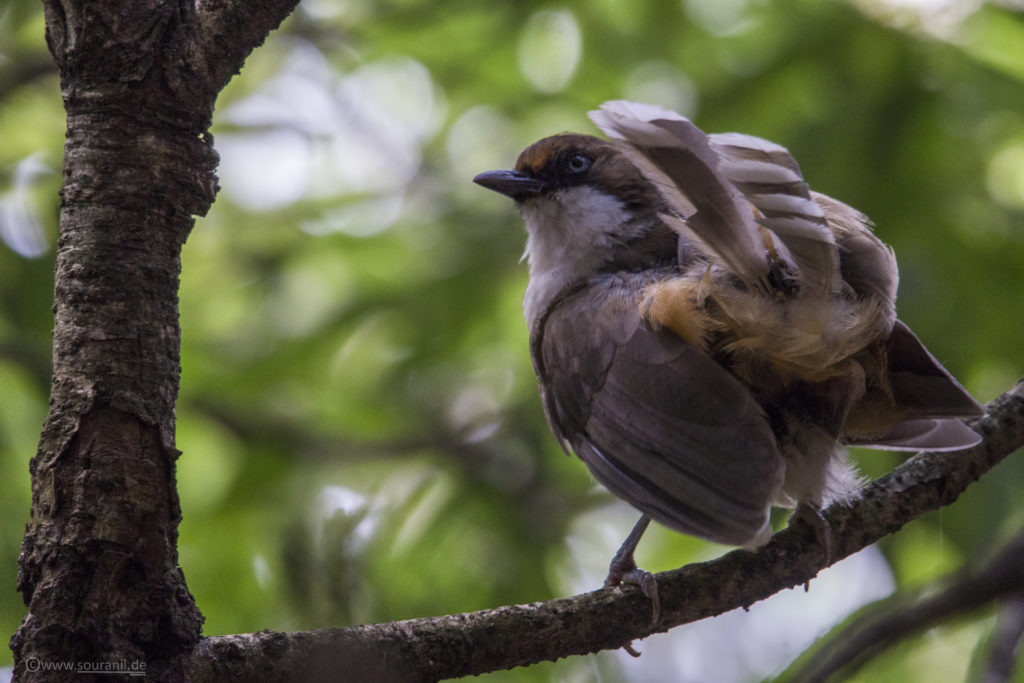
(893, 620)
(433, 648)
(1007, 641)
(229, 30)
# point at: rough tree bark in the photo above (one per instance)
(99, 566)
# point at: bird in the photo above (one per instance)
(709, 334)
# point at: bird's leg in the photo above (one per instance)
(623, 569)
(810, 514)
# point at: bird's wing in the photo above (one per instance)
(714, 181)
(676, 156)
(656, 421)
(866, 263)
(770, 179)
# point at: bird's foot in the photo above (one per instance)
(623, 569)
(811, 515)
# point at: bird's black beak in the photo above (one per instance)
(514, 184)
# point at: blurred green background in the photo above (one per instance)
(359, 419)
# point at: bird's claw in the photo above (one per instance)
(620, 572)
(811, 515)
(623, 569)
(649, 585)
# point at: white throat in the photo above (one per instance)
(570, 235)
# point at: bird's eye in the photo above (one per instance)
(578, 163)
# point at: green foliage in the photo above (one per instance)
(361, 433)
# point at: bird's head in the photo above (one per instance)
(586, 207)
(578, 172)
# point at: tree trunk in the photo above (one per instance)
(99, 563)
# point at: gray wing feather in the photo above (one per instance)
(676, 157)
(656, 421)
(770, 178)
(713, 181)
(866, 264)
